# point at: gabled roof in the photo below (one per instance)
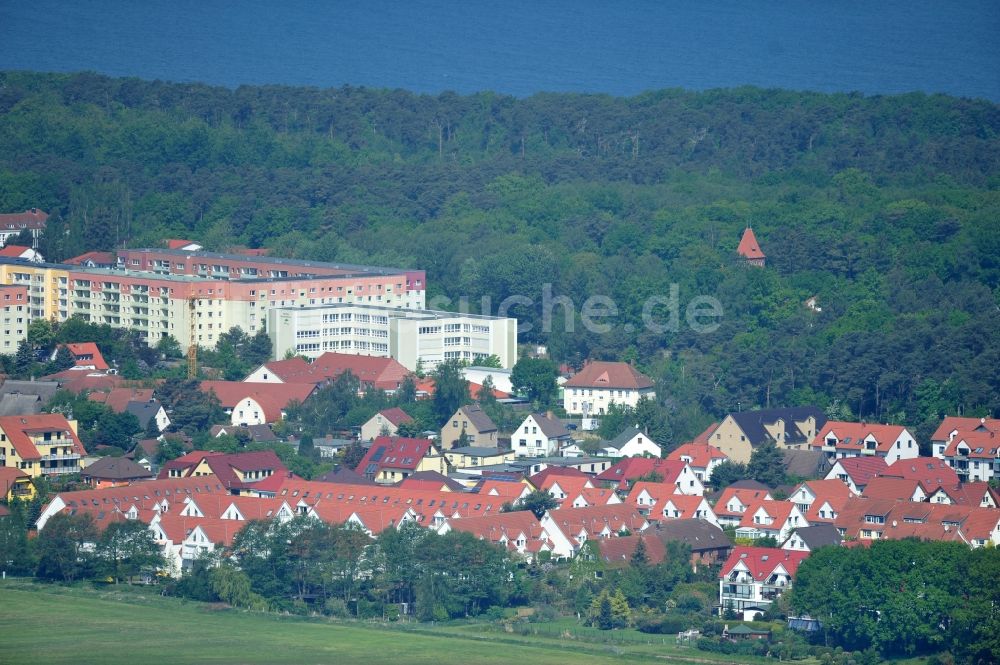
(97, 258)
(617, 552)
(440, 480)
(552, 428)
(930, 471)
(86, 354)
(747, 497)
(18, 428)
(343, 475)
(601, 374)
(805, 463)
(851, 436)
(29, 219)
(863, 468)
(630, 468)
(825, 489)
(117, 399)
(596, 519)
(699, 534)
(225, 465)
(699, 454)
(382, 373)
(779, 511)
(970, 494)
(749, 248)
(13, 404)
(761, 562)
(14, 251)
(538, 480)
(8, 477)
(396, 416)
(394, 452)
(43, 389)
(981, 444)
(818, 535)
(425, 387)
(623, 438)
(478, 418)
(115, 468)
(752, 423)
(144, 411)
(273, 398)
(897, 489)
(497, 526)
(956, 423)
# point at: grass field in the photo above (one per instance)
(51, 624)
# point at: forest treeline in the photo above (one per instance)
(884, 208)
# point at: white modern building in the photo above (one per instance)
(410, 336)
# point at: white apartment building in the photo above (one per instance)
(410, 336)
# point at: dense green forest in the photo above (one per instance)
(885, 208)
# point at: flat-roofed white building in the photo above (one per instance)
(407, 335)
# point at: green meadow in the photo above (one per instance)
(53, 624)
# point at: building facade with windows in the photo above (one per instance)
(410, 335)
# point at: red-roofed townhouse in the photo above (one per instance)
(251, 404)
(733, 503)
(931, 472)
(93, 260)
(40, 445)
(820, 500)
(383, 373)
(373, 520)
(384, 423)
(86, 355)
(701, 457)
(592, 390)
(592, 496)
(856, 472)
(237, 472)
(753, 577)
(183, 539)
(974, 455)
(618, 552)
(519, 531)
(622, 475)
(770, 519)
(661, 501)
(894, 489)
(951, 426)
(392, 458)
(570, 528)
(978, 494)
(840, 439)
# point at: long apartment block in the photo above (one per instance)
(194, 296)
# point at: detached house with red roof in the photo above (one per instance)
(856, 472)
(86, 355)
(660, 501)
(600, 384)
(954, 425)
(255, 404)
(973, 454)
(40, 445)
(678, 474)
(753, 577)
(701, 457)
(840, 439)
(770, 519)
(733, 503)
(393, 458)
(384, 423)
(237, 472)
(20, 252)
(930, 472)
(383, 373)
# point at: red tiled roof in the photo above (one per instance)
(749, 248)
(118, 398)
(383, 373)
(981, 444)
(762, 561)
(601, 374)
(930, 471)
(778, 510)
(956, 423)
(8, 477)
(78, 380)
(596, 519)
(87, 353)
(631, 468)
(747, 497)
(619, 551)
(698, 455)
(17, 427)
(29, 219)
(99, 258)
(394, 452)
(497, 526)
(13, 251)
(396, 416)
(706, 436)
(896, 489)
(850, 436)
(862, 469)
(427, 386)
(539, 479)
(273, 398)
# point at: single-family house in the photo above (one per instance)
(114, 471)
(540, 435)
(384, 423)
(472, 423)
(592, 390)
(810, 538)
(257, 404)
(632, 442)
(733, 503)
(701, 457)
(857, 472)
(753, 577)
(393, 458)
(839, 439)
(622, 475)
(774, 519)
(739, 434)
